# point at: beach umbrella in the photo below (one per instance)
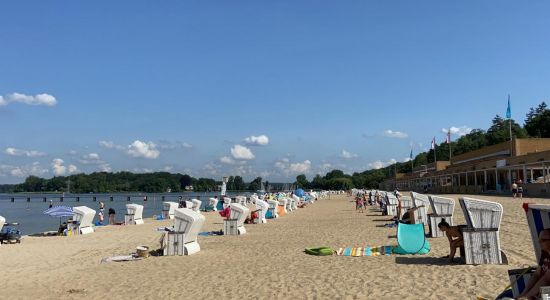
(299, 192)
(59, 211)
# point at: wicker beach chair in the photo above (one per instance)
(263, 207)
(183, 240)
(196, 204)
(238, 216)
(168, 209)
(422, 202)
(134, 214)
(406, 203)
(83, 217)
(391, 204)
(481, 234)
(538, 218)
(273, 208)
(442, 208)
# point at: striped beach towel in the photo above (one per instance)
(364, 251)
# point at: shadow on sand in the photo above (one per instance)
(424, 260)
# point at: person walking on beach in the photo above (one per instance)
(514, 189)
(111, 216)
(520, 189)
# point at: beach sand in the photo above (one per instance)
(266, 263)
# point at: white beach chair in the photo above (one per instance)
(442, 208)
(263, 207)
(213, 202)
(283, 202)
(187, 225)
(422, 203)
(189, 204)
(295, 201)
(196, 205)
(2, 222)
(168, 209)
(406, 203)
(239, 213)
(273, 207)
(538, 218)
(226, 202)
(134, 214)
(289, 204)
(391, 204)
(481, 234)
(83, 216)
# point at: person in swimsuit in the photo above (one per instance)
(456, 240)
(541, 277)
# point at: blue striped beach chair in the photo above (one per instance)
(538, 218)
(420, 214)
(481, 234)
(442, 208)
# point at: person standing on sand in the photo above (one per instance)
(520, 189)
(514, 189)
(51, 203)
(111, 216)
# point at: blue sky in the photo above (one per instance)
(179, 85)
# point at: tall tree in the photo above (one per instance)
(537, 122)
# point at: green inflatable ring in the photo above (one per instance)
(320, 251)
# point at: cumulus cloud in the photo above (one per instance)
(230, 161)
(40, 99)
(59, 169)
(395, 134)
(17, 172)
(241, 152)
(143, 149)
(105, 167)
(260, 140)
(381, 164)
(167, 145)
(460, 131)
(288, 168)
(20, 152)
(348, 155)
(110, 145)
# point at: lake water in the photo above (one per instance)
(30, 214)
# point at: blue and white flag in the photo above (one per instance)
(509, 109)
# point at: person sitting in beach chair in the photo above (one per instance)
(252, 217)
(456, 240)
(541, 277)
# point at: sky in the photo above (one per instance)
(257, 88)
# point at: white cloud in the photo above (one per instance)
(110, 145)
(91, 159)
(59, 169)
(40, 99)
(260, 140)
(288, 168)
(348, 155)
(241, 152)
(380, 164)
(187, 145)
(19, 152)
(17, 172)
(167, 145)
(460, 131)
(395, 134)
(143, 149)
(168, 168)
(105, 167)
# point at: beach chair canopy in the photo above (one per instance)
(480, 214)
(420, 199)
(538, 218)
(441, 205)
(188, 222)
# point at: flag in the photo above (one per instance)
(448, 138)
(509, 109)
(433, 144)
(411, 155)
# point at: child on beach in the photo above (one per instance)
(541, 277)
(454, 235)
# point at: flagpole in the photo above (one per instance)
(509, 115)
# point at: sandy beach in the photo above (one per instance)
(266, 263)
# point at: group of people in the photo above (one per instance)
(517, 189)
(101, 214)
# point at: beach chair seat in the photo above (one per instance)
(237, 216)
(263, 206)
(481, 234)
(442, 208)
(2, 222)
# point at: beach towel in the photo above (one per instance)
(207, 233)
(365, 251)
(320, 251)
(120, 258)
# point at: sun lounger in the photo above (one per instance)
(183, 240)
(83, 217)
(442, 208)
(538, 218)
(134, 214)
(421, 202)
(481, 234)
(168, 209)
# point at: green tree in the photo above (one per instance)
(256, 184)
(301, 181)
(499, 131)
(537, 122)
